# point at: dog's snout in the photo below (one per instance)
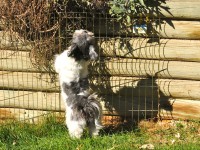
(93, 55)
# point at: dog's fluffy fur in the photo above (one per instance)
(82, 109)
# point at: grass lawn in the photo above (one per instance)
(53, 135)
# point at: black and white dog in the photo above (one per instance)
(82, 108)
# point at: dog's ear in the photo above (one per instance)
(73, 48)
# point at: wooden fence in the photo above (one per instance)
(149, 76)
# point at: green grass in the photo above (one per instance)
(53, 135)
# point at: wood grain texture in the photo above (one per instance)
(181, 109)
(183, 9)
(16, 61)
(180, 29)
(27, 81)
(170, 29)
(168, 108)
(31, 100)
(22, 61)
(116, 66)
(165, 108)
(52, 102)
(135, 86)
(165, 49)
(146, 87)
(140, 67)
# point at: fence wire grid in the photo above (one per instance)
(124, 76)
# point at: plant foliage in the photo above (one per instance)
(41, 21)
(124, 10)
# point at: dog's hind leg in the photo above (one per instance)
(74, 126)
(75, 129)
(93, 129)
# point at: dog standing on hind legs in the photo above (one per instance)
(82, 108)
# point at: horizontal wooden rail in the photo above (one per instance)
(31, 100)
(139, 67)
(170, 29)
(181, 109)
(27, 81)
(166, 108)
(132, 86)
(163, 49)
(146, 87)
(181, 9)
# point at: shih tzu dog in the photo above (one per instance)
(82, 108)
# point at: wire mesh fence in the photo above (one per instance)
(124, 76)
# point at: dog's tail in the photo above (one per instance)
(92, 110)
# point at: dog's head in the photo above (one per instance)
(82, 46)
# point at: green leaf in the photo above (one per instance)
(129, 11)
(128, 19)
(133, 7)
(119, 18)
(117, 10)
(142, 2)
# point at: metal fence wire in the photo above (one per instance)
(124, 76)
